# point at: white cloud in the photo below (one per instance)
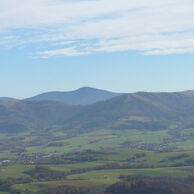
(70, 51)
(153, 27)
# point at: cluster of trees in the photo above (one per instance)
(6, 183)
(178, 157)
(43, 173)
(68, 190)
(148, 185)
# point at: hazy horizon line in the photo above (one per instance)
(108, 90)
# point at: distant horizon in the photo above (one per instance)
(72, 90)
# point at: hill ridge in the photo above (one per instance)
(81, 96)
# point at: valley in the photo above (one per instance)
(97, 158)
(48, 145)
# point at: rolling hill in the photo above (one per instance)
(18, 116)
(142, 110)
(8, 98)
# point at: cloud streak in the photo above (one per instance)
(83, 27)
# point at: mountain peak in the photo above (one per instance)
(87, 88)
(81, 96)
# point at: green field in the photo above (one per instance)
(94, 159)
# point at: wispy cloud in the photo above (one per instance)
(70, 51)
(82, 27)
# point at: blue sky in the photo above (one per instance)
(125, 46)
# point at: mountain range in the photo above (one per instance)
(81, 96)
(141, 110)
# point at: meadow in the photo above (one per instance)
(95, 160)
